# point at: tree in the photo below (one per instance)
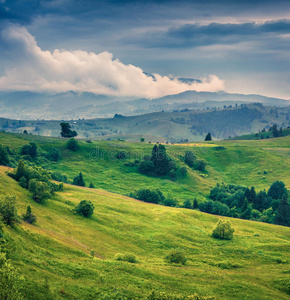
(195, 204)
(142, 139)
(29, 217)
(79, 180)
(223, 230)
(25, 131)
(8, 210)
(40, 190)
(208, 137)
(91, 186)
(275, 131)
(160, 160)
(9, 280)
(72, 145)
(85, 208)
(282, 216)
(20, 171)
(277, 190)
(66, 131)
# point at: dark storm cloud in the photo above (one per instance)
(194, 35)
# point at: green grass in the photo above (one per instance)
(54, 254)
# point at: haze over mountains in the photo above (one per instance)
(72, 105)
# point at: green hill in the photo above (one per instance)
(54, 255)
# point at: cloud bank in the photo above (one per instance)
(29, 68)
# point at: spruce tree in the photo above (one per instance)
(208, 137)
(282, 216)
(79, 180)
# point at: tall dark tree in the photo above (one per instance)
(208, 137)
(66, 130)
(160, 160)
(20, 171)
(79, 180)
(275, 131)
(282, 216)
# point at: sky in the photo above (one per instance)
(110, 47)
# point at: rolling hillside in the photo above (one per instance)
(239, 162)
(54, 255)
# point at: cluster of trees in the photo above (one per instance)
(191, 160)
(154, 196)
(241, 202)
(36, 180)
(28, 152)
(159, 163)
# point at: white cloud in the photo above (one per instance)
(32, 69)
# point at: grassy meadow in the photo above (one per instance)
(54, 255)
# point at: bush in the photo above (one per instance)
(29, 149)
(147, 195)
(53, 154)
(182, 171)
(223, 230)
(29, 217)
(129, 257)
(176, 257)
(72, 144)
(121, 155)
(40, 190)
(146, 166)
(85, 208)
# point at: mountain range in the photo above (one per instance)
(71, 105)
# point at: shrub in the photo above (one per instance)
(59, 177)
(29, 149)
(53, 154)
(146, 166)
(223, 230)
(29, 217)
(72, 144)
(176, 257)
(40, 190)
(121, 155)
(182, 171)
(85, 208)
(147, 195)
(128, 257)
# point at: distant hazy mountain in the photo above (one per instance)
(28, 105)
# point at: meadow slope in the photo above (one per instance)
(54, 255)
